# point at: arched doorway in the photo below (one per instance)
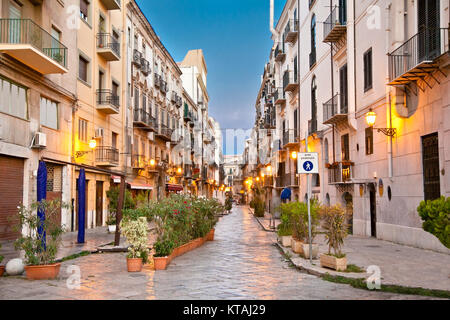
(373, 210)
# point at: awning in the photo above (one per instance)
(174, 187)
(138, 186)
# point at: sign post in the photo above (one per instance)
(308, 163)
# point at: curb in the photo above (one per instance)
(260, 223)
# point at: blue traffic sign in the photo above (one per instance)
(308, 166)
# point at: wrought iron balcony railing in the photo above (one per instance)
(279, 96)
(414, 59)
(335, 26)
(145, 66)
(137, 58)
(340, 172)
(26, 31)
(280, 55)
(291, 31)
(157, 80)
(312, 126)
(139, 161)
(107, 41)
(334, 110)
(107, 97)
(106, 156)
(289, 137)
(290, 82)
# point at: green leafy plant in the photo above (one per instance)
(111, 221)
(135, 230)
(113, 196)
(259, 205)
(285, 227)
(436, 217)
(164, 248)
(229, 203)
(335, 225)
(30, 241)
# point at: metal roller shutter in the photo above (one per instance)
(11, 194)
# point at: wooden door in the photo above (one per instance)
(431, 167)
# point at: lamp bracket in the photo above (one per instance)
(390, 132)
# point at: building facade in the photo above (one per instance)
(373, 108)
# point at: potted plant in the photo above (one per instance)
(285, 227)
(111, 223)
(314, 211)
(40, 248)
(2, 268)
(299, 226)
(163, 250)
(135, 230)
(335, 225)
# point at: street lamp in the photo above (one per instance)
(152, 162)
(371, 119)
(294, 155)
(92, 146)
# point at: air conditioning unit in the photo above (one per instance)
(99, 133)
(40, 140)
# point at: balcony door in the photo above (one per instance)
(431, 167)
(343, 12)
(15, 14)
(428, 27)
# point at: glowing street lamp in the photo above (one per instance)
(152, 162)
(93, 144)
(371, 119)
(294, 155)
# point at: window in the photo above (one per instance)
(129, 37)
(136, 98)
(49, 113)
(114, 140)
(345, 148)
(82, 130)
(56, 38)
(115, 89)
(144, 102)
(343, 84)
(83, 69)
(312, 57)
(313, 99)
(13, 99)
(368, 70)
(84, 9)
(326, 151)
(369, 141)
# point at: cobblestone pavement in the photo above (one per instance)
(242, 263)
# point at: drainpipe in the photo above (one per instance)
(274, 32)
(388, 89)
(332, 88)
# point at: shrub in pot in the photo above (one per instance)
(40, 248)
(314, 211)
(111, 222)
(163, 250)
(335, 225)
(285, 229)
(135, 230)
(436, 218)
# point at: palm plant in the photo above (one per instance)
(335, 225)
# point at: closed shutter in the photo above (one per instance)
(11, 195)
(343, 89)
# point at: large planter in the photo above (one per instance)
(134, 265)
(286, 241)
(2, 271)
(45, 272)
(210, 236)
(297, 246)
(315, 250)
(338, 264)
(112, 228)
(161, 263)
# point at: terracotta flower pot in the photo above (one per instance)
(134, 265)
(210, 236)
(161, 263)
(176, 252)
(2, 271)
(286, 241)
(45, 272)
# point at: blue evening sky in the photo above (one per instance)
(235, 39)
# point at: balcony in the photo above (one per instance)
(111, 4)
(187, 113)
(291, 31)
(137, 58)
(187, 171)
(139, 162)
(312, 59)
(340, 172)
(280, 55)
(173, 97)
(163, 86)
(145, 67)
(106, 156)
(312, 127)
(164, 132)
(290, 81)
(143, 120)
(279, 96)
(417, 57)
(108, 47)
(178, 101)
(335, 27)
(286, 180)
(333, 110)
(28, 43)
(157, 80)
(268, 182)
(290, 139)
(107, 101)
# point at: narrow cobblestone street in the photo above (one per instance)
(242, 263)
